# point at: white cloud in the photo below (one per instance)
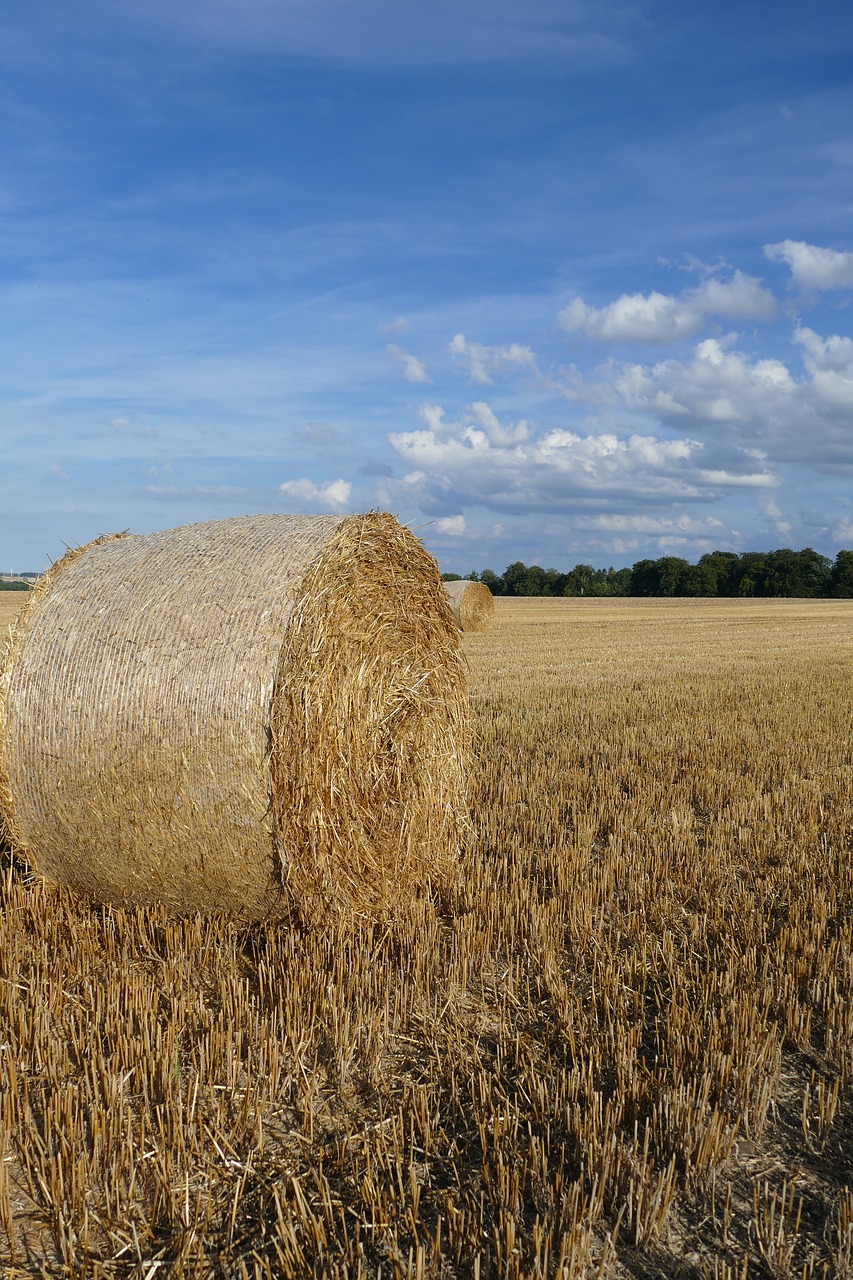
(660, 317)
(453, 526)
(753, 403)
(413, 369)
(813, 267)
(653, 317)
(741, 298)
(334, 495)
(483, 362)
(515, 468)
(829, 361)
(747, 480)
(488, 422)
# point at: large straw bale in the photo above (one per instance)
(247, 714)
(472, 604)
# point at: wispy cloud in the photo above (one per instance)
(124, 426)
(484, 364)
(443, 32)
(412, 367)
(400, 324)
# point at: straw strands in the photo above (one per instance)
(472, 604)
(247, 714)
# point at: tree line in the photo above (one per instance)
(784, 572)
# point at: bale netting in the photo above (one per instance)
(254, 715)
(472, 604)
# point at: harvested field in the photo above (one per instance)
(621, 1046)
(11, 603)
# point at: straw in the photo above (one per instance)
(252, 715)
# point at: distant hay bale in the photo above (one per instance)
(472, 604)
(247, 714)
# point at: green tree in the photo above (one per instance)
(619, 581)
(644, 578)
(493, 581)
(583, 580)
(668, 576)
(748, 576)
(722, 567)
(673, 575)
(841, 580)
(794, 573)
(516, 579)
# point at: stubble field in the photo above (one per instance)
(622, 1045)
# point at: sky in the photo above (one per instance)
(550, 280)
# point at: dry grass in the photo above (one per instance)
(11, 603)
(623, 1047)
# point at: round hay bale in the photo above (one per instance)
(472, 604)
(248, 714)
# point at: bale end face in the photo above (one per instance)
(369, 725)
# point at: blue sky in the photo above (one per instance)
(552, 281)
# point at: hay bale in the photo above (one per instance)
(245, 714)
(472, 604)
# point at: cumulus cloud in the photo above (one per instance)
(717, 385)
(332, 496)
(485, 420)
(829, 362)
(724, 394)
(813, 268)
(452, 526)
(484, 363)
(513, 468)
(413, 369)
(661, 317)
